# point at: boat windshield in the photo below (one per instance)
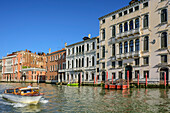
(16, 90)
(10, 90)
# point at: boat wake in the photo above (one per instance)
(16, 105)
(42, 100)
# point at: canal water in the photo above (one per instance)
(90, 99)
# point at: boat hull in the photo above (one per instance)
(22, 99)
(73, 84)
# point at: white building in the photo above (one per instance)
(81, 60)
(136, 38)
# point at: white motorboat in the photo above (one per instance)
(23, 95)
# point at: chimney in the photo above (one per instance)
(132, 1)
(35, 52)
(26, 50)
(49, 50)
(89, 35)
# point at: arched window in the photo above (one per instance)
(120, 28)
(82, 62)
(79, 49)
(79, 62)
(137, 45)
(137, 23)
(125, 47)
(164, 40)
(93, 45)
(93, 61)
(146, 43)
(87, 47)
(125, 26)
(87, 62)
(164, 15)
(103, 34)
(76, 63)
(131, 25)
(120, 48)
(82, 48)
(103, 51)
(131, 46)
(146, 21)
(68, 64)
(113, 50)
(113, 31)
(72, 64)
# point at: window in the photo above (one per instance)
(82, 62)
(125, 12)
(103, 52)
(120, 14)
(146, 21)
(137, 62)
(120, 75)
(113, 50)
(145, 60)
(120, 28)
(164, 40)
(93, 61)
(163, 58)
(93, 45)
(120, 48)
(164, 15)
(97, 47)
(131, 46)
(114, 75)
(82, 48)
(103, 65)
(146, 43)
(72, 64)
(137, 23)
(137, 45)
(144, 74)
(97, 69)
(136, 73)
(136, 8)
(120, 63)
(79, 62)
(68, 64)
(97, 55)
(113, 64)
(98, 62)
(113, 17)
(103, 34)
(125, 47)
(113, 31)
(125, 26)
(79, 49)
(87, 47)
(98, 40)
(76, 63)
(130, 10)
(87, 62)
(145, 4)
(103, 21)
(131, 25)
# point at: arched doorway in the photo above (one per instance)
(128, 68)
(79, 78)
(103, 76)
(60, 77)
(162, 72)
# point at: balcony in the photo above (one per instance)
(136, 54)
(112, 58)
(118, 56)
(127, 33)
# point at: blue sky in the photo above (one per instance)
(38, 25)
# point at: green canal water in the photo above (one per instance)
(90, 99)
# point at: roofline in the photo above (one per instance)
(55, 52)
(83, 41)
(121, 9)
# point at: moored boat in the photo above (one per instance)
(23, 95)
(73, 84)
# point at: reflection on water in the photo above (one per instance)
(91, 99)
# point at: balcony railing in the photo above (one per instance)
(127, 33)
(128, 55)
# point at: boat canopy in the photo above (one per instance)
(29, 88)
